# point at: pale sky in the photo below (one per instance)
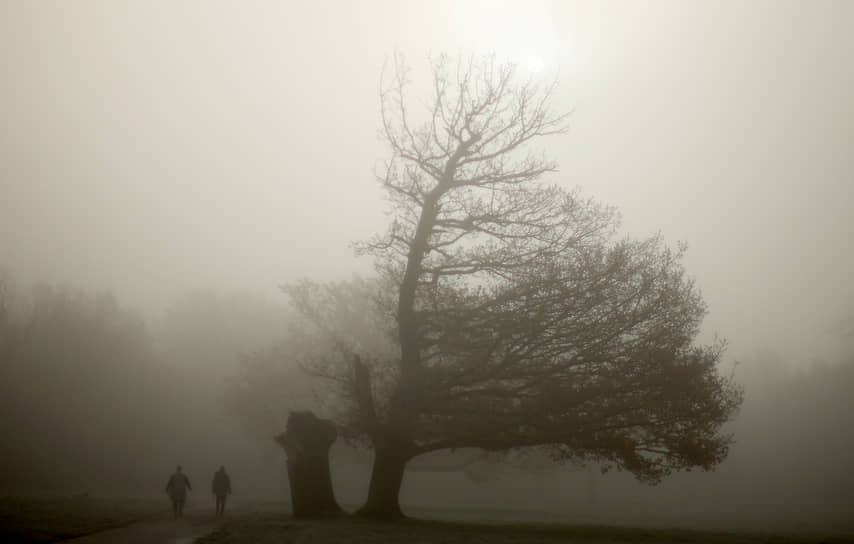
(153, 147)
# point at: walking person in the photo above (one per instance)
(177, 487)
(221, 487)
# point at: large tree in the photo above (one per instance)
(519, 317)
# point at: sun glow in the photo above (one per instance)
(535, 64)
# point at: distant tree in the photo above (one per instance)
(793, 427)
(268, 385)
(517, 318)
(331, 322)
(209, 339)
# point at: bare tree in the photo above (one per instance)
(521, 320)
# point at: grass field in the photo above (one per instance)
(49, 519)
(268, 528)
(40, 520)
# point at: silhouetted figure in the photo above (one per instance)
(177, 487)
(221, 487)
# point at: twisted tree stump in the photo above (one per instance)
(306, 443)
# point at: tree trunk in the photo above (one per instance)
(307, 441)
(386, 479)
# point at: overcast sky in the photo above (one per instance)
(155, 147)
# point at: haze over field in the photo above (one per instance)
(190, 157)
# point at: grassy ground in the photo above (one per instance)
(48, 519)
(267, 528)
(51, 519)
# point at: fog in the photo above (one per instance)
(190, 157)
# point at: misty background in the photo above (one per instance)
(165, 166)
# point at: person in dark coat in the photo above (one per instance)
(176, 488)
(221, 487)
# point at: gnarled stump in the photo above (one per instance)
(306, 442)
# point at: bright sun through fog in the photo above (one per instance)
(535, 64)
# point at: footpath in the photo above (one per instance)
(159, 531)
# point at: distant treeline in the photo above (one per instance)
(82, 392)
(95, 400)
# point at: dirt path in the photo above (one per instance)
(161, 531)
